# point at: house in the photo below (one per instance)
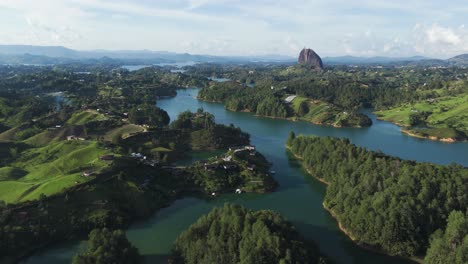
(73, 137)
(290, 98)
(107, 157)
(251, 167)
(87, 173)
(229, 166)
(136, 155)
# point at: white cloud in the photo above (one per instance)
(442, 35)
(440, 41)
(334, 27)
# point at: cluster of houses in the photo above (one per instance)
(251, 149)
(228, 163)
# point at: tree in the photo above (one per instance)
(450, 246)
(303, 108)
(291, 137)
(108, 247)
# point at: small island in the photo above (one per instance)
(234, 234)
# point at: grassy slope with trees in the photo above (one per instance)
(443, 118)
(383, 201)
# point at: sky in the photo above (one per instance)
(395, 28)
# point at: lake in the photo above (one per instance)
(299, 196)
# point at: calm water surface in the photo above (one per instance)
(299, 197)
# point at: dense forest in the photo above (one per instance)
(233, 234)
(384, 201)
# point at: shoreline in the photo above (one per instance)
(445, 140)
(340, 225)
(404, 129)
(363, 245)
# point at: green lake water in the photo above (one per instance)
(299, 196)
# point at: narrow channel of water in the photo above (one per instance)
(299, 197)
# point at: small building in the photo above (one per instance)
(290, 98)
(228, 158)
(87, 173)
(251, 167)
(238, 191)
(73, 137)
(229, 166)
(136, 155)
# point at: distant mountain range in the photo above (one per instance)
(26, 54)
(371, 60)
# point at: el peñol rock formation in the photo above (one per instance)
(310, 58)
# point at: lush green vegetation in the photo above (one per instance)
(383, 201)
(233, 234)
(99, 155)
(108, 247)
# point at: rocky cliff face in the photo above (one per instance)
(309, 57)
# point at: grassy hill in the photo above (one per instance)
(50, 169)
(123, 131)
(320, 112)
(445, 117)
(83, 117)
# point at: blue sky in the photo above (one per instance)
(248, 27)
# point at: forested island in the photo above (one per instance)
(233, 234)
(404, 208)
